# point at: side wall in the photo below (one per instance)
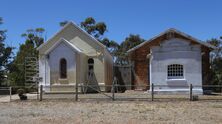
(140, 60)
(108, 70)
(99, 69)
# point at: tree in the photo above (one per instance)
(111, 45)
(96, 29)
(62, 24)
(33, 39)
(5, 55)
(216, 62)
(129, 42)
(217, 43)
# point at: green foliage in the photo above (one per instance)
(216, 62)
(62, 24)
(111, 45)
(5, 55)
(33, 39)
(129, 42)
(20, 92)
(96, 29)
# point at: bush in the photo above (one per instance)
(20, 92)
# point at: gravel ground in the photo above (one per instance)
(87, 111)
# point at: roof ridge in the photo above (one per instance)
(177, 31)
(79, 28)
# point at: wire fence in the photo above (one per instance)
(114, 92)
(5, 94)
(8, 94)
(153, 93)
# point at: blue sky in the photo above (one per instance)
(199, 18)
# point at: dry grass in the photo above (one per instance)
(92, 112)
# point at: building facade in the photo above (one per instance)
(73, 56)
(172, 61)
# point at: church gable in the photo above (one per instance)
(76, 36)
(63, 42)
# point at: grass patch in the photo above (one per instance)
(217, 106)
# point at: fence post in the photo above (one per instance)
(220, 88)
(113, 89)
(152, 91)
(38, 88)
(191, 92)
(77, 87)
(41, 92)
(10, 90)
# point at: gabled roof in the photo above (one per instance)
(80, 29)
(175, 31)
(62, 40)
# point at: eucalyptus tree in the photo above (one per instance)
(33, 38)
(5, 55)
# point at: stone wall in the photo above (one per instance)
(139, 57)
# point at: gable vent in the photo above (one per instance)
(170, 35)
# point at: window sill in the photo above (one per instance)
(63, 79)
(183, 79)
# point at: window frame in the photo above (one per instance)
(175, 72)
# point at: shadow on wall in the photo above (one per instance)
(120, 81)
(92, 85)
(138, 83)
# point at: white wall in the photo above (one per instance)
(176, 51)
(62, 51)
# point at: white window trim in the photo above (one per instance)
(176, 77)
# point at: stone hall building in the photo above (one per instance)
(173, 60)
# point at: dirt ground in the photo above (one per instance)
(68, 111)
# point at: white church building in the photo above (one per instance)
(73, 56)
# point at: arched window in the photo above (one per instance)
(175, 71)
(63, 68)
(90, 61)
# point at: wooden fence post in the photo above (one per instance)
(10, 92)
(41, 92)
(191, 92)
(152, 91)
(77, 87)
(113, 89)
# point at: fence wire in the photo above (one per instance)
(152, 94)
(114, 93)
